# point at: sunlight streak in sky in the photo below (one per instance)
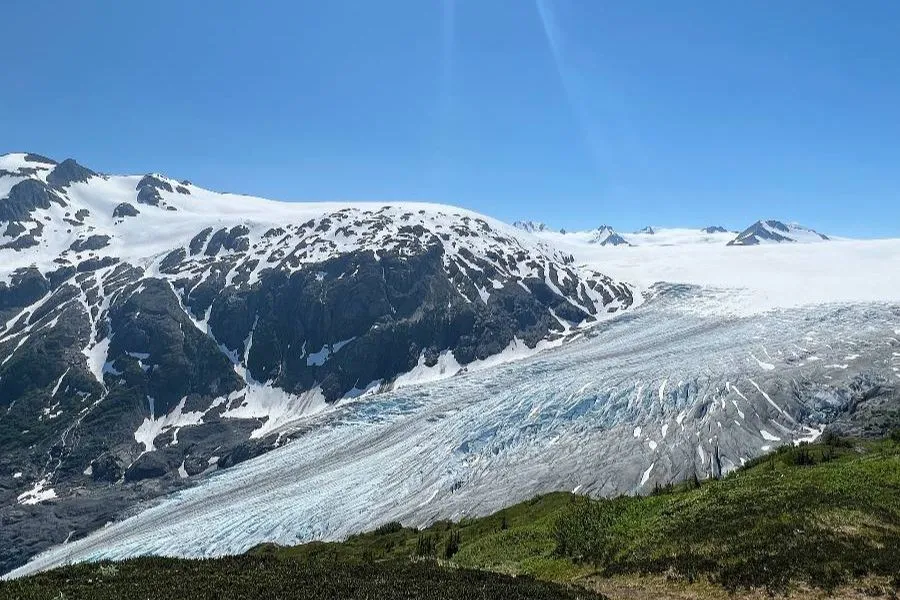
(599, 108)
(448, 33)
(440, 167)
(567, 77)
(449, 25)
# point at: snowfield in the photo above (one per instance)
(753, 279)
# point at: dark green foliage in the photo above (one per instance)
(586, 531)
(895, 436)
(804, 454)
(830, 438)
(694, 482)
(252, 577)
(452, 545)
(802, 457)
(392, 527)
(426, 546)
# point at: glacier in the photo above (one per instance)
(655, 395)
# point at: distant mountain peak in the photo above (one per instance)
(530, 226)
(714, 229)
(773, 231)
(607, 236)
(648, 230)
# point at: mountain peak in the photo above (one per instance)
(607, 236)
(68, 172)
(530, 226)
(774, 231)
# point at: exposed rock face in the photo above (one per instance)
(142, 348)
(94, 242)
(26, 197)
(125, 210)
(149, 188)
(68, 172)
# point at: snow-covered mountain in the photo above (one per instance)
(606, 236)
(152, 332)
(772, 231)
(761, 232)
(152, 329)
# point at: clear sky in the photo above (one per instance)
(573, 112)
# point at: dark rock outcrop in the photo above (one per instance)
(94, 242)
(68, 172)
(125, 210)
(25, 197)
(148, 190)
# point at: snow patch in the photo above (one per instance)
(276, 406)
(646, 476)
(768, 436)
(152, 427)
(39, 493)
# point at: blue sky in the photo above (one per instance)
(574, 112)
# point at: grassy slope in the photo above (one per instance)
(773, 524)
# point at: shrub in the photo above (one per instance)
(452, 546)
(830, 438)
(391, 527)
(425, 546)
(694, 482)
(802, 457)
(584, 531)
